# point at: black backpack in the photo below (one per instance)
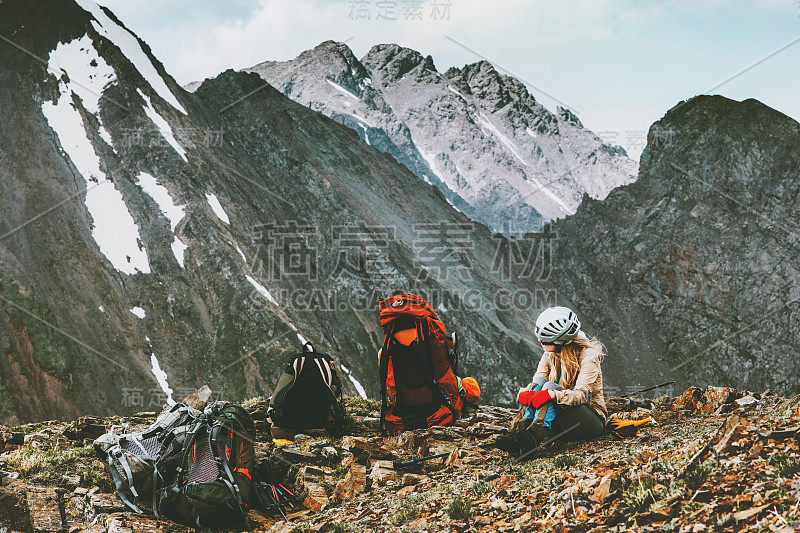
(212, 488)
(308, 395)
(141, 463)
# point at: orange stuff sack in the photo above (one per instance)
(472, 391)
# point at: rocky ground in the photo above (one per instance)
(713, 460)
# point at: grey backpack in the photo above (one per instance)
(142, 463)
(212, 489)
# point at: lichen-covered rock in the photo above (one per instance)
(691, 399)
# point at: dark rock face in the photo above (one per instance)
(696, 262)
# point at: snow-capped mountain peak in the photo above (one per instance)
(478, 135)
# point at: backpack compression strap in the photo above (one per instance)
(154, 460)
(119, 455)
(230, 482)
(227, 477)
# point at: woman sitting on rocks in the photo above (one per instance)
(565, 399)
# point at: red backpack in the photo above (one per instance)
(419, 388)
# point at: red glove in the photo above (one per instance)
(535, 399)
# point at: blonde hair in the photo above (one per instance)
(567, 361)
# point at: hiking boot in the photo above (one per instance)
(531, 438)
(507, 443)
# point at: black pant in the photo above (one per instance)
(577, 423)
(589, 424)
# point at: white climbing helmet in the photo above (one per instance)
(557, 325)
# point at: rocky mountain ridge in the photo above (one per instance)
(713, 459)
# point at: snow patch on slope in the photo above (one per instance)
(362, 119)
(299, 337)
(166, 204)
(88, 74)
(213, 201)
(508, 143)
(359, 388)
(453, 90)
(538, 187)
(261, 290)
(161, 377)
(131, 48)
(342, 89)
(179, 250)
(241, 253)
(431, 160)
(161, 196)
(452, 204)
(162, 125)
(113, 227)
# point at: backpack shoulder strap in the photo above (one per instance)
(297, 364)
(325, 371)
(384, 372)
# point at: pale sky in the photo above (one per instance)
(618, 64)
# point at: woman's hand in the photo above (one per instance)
(535, 399)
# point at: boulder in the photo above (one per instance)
(44, 509)
(691, 399)
(14, 513)
(358, 445)
(412, 479)
(316, 497)
(715, 397)
(383, 471)
(86, 427)
(199, 398)
(355, 482)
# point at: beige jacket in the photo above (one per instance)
(588, 386)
